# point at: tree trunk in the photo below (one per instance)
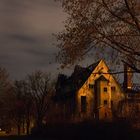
(23, 126)
(18, 127)
(39, 121)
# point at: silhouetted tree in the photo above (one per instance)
(18, 108)
(38, 83)
(28, 103)
(4, 81)
(5, 92)
(21, 106)
(101, 24)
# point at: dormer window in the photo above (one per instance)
(105, 89)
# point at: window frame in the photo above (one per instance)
(105, 89)
(105, 102)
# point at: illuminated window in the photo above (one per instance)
(83, 104)
(105, 89)
(113, 88)
(105, 102)
(91, 86)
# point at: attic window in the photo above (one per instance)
(105, 89)
(105, 102)
(91, 86)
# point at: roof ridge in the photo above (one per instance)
(94, 64)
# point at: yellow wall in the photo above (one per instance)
(115, 96)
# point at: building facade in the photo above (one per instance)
(99, 95)
(89, 93)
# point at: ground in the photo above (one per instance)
(82, 131)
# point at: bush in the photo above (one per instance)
(86, 130)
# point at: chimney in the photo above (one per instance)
(127, 77)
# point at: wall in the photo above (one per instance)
(114, 96)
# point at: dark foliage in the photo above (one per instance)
(88, 130)
(100, 25)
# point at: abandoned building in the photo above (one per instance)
(89, 92)
(130, 107)
(94, 93)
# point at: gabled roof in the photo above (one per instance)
(67, 86)
(80, 74)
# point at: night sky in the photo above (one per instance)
(26, 40)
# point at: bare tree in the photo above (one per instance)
(39, 88)
(28, 103)
(5, 92)
(99, 24)
(17, 111)
(4, 81)
(20, 107)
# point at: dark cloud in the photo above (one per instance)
(23, 38)
(26, 41)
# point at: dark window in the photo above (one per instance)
(105, 89)
(105, 102)
(111, 103)
(91, 86)
(113, 88)
(83, 104)
(105, 115)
